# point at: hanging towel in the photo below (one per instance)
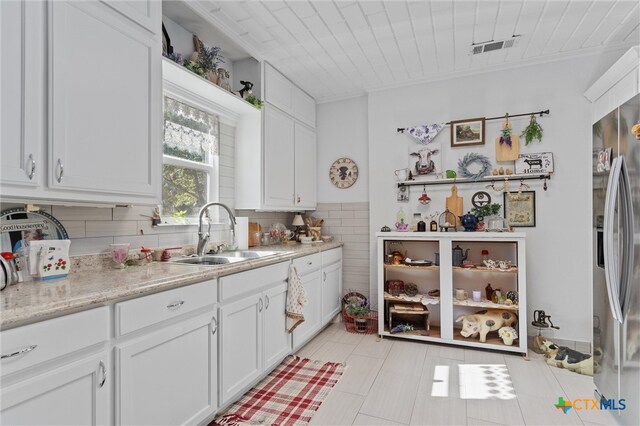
(425, 134)
(296, 299)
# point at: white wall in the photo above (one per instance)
(342, 132)
(559, 247)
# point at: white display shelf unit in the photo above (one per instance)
(445, 308)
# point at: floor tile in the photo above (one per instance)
(359, 375)
(495, 410)
(478, 422)
(364, 420)
(340, 408)
(372, 345)
(445, 351)
(392, 396)
(334, 352)
(479, 356)
(532, 378)
(405, 357)
(343, 336)
(578, 386)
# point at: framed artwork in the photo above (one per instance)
(602, 160)
(425, 159)
(467, 132)
(520, 208)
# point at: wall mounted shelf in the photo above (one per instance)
(449, 181)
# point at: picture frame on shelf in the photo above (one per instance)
(520, 208)
(467, 132)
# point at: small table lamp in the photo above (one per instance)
(297, 222)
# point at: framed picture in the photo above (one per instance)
(602, 160)
(467, 132)
(520, 208)
(541, 162)
(425, 159)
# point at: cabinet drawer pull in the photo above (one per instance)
(309, 263)
(104, 374)
(266, 300)
(215, 325)
(260, 305)
(175, 305)
(324, 276)
(32, 172)
(20, 352)
(61, 174)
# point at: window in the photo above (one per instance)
(190, 160)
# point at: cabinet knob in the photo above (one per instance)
(61, 174)
(32, 172)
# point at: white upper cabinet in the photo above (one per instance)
(21, 93)
(91, 70)
(106, 108)
(278, 159)
(304, 107)
(278, 90)
(305, 167)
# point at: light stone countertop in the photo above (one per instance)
(91, 284)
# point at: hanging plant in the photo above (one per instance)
(505, 133)
(470, 158)
(532, 131)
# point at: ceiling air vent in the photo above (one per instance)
(492, 45)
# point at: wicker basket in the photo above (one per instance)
(364, 325)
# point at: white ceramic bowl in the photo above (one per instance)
(326, 238)
(306, 240)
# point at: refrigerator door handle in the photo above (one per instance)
(610, 262)
(627, 239)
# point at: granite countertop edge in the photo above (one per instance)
(34, 301)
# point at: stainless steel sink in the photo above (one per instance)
(249, 254)
(224, 258)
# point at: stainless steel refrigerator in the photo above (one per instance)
(616, 269)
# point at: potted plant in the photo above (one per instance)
(486, 210)
(508, 335)
(360, 310)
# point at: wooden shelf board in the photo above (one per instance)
(434, 333)
(484, 305)
(485, 269)
(428, 268)
(407, 299)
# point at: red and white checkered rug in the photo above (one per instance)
(290, 395)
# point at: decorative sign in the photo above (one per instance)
(541, 162)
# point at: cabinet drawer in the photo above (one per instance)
(245, 282)
(331, 256)
(307, 264)
(47, 340)
(145, 311)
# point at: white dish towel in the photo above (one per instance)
(296, 299)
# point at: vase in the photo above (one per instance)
(213, 76)
(508, 341)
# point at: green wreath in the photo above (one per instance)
(471, 158)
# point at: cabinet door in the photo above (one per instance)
(105, 102)
(278, 90)
(305, 167)
(168, 377)
(312, 311)
(331, 290)
(304, 107)
(21, 92)
(240, 346)
(277, 341)
(77, 393)
(278, 158)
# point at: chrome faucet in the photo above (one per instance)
(203, 238)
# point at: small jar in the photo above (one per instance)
(266, 239)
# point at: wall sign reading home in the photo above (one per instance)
(343, 172)
(541, 162)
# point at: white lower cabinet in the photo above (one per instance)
(331, 284)
(76, 393)
(309, 269)
(166, 357)
(169, 376)
(253, 336)
(57, 371)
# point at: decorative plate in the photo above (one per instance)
(418, 262)
(18, 226)
(343, 172)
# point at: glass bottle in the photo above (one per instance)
(417, 217)
(401, 216)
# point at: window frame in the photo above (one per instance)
(181, 94)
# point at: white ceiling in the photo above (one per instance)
(337, 49)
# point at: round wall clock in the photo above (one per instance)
(343, 173)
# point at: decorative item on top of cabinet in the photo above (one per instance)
(343, 173)
(247, 89)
